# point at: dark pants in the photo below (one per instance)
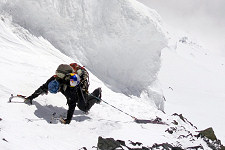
(84, 102)
(90, 100)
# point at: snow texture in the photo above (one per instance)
(120, 41)
(191, 78)
(23, 59)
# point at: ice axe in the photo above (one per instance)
(17, 96)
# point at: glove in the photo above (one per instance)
(28, 100)
(65, 121)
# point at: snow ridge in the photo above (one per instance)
(120, 41)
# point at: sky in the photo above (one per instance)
(203, 19)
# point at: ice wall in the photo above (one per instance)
(120, 41)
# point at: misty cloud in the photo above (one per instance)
(204, 19)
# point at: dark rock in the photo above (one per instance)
(157, 120)
(184, 119)
(222, 148)
(180, 116)
(175, 122)
(83, 148)
(111, 144)
(166, 146)
(209, 137)
(4, 140)
(107, 143)
(209, 133)
(171, 130)
(122, 142)
(196, 147)
(135, 143)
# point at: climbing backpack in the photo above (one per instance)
(63, 70)
(74, 80)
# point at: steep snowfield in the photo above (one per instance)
(193, 84)
(27, 62)
(111, 38)
(190, 78)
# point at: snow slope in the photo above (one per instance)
(192, 76)
(27, 62)
(193, 84)
(111, 38)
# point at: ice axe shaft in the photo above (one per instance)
(14, 96)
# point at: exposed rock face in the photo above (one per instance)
(209, 133)
(180, 128)
(209, 137)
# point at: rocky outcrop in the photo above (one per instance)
(210, 138)
(180, 128)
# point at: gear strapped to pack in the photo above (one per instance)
(74, 80)
(84, 75)
(80, 70)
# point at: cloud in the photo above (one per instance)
(204, 19)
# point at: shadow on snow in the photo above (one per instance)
(47, 113)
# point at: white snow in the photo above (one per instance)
(127, 39)
(193, 84)
(28, 62)
(192, 72)
(190, 77)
